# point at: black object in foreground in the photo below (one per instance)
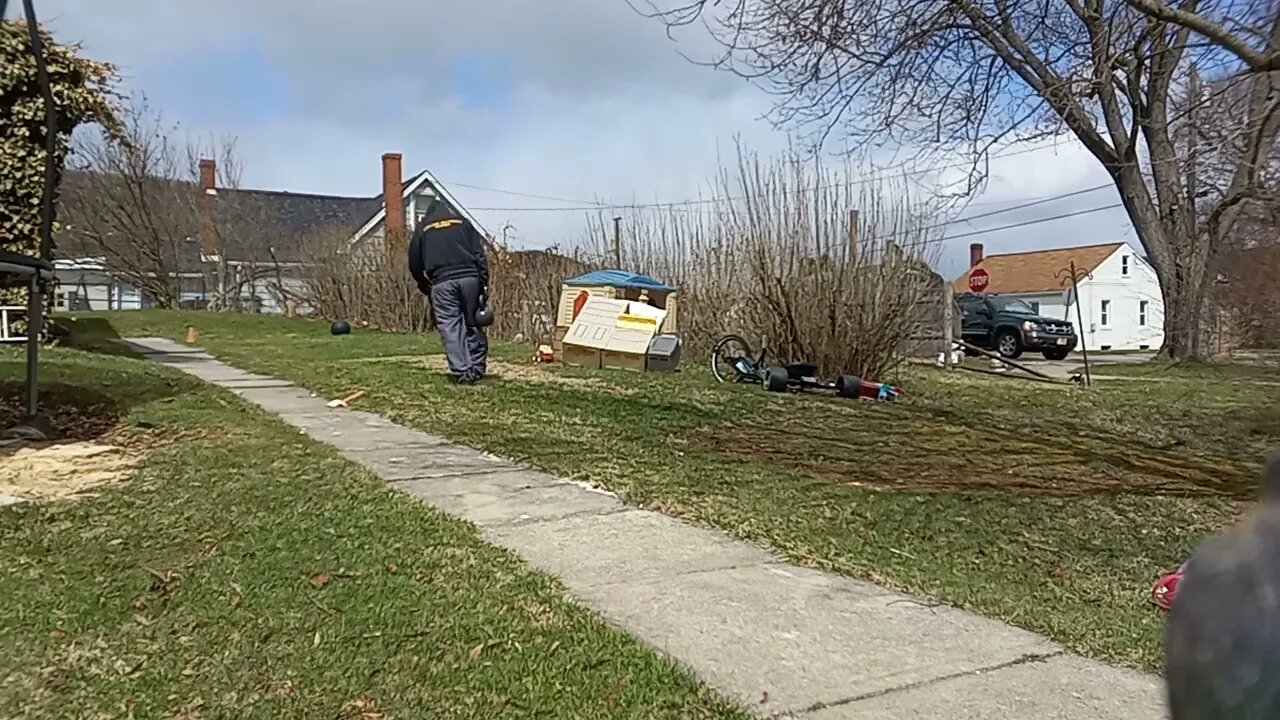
(1222, 638)
(340, 327)
(484, 313)
(732, 360)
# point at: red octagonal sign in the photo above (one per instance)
(978, 280)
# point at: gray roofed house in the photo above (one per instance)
(247, 228)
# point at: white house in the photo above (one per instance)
(255, 228)
(1120, 301)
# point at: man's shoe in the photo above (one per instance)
(465, 378)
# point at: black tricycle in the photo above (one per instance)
(733, 361)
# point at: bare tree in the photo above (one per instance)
(825, 268)
(1241, 27)
(966, 76)
(360, 282)
(135, 201)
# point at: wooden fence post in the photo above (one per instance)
(948, 323)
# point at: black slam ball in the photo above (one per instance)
(340, 327)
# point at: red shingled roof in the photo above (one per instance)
(1036, 271)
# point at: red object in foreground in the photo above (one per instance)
(978, 280)
(1163, 592)
(869, 390)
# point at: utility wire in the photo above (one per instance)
(1035, 221)
(552, 198)
(888, 173)
(1021, 206)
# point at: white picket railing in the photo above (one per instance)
(9, 314)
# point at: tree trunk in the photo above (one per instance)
(1184, 304)
(1178, 256)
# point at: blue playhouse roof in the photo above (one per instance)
(619, 278)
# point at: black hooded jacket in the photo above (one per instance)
(446, 247)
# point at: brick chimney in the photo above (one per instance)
(975, 254)
(208, 190)
(393, 195)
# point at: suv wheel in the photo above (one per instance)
(1009, 344)
(1056, 354)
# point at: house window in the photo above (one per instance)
(1105, 319)
(1124, 266)
(1142, 312)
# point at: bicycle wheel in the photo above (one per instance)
(724, 355)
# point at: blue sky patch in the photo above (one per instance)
(226, 86)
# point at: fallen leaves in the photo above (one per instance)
(236, 596)
(162, 582)
(362, 707)
(320, 580)
(475, 652)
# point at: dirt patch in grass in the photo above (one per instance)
(515, 372)
(64, 471)
(90, 449)
(76, 413)
(895, 448)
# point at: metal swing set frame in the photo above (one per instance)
(35, 272)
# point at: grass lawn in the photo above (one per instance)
(1260, 369)
(1051, 507)
(246, 571)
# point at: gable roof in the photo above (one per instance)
(1038, 270)
(253, 225)
(411, 186)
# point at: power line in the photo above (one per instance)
(888, 173)
(1011, 226)
(552, 198)
(1023, 206)
(1014, 208)
(1035, 221)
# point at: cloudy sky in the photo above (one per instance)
(577, 99)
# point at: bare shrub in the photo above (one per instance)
(771, 254)
(524, 290)
(361, 283)
(131, 197)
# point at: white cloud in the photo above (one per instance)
(599, 105)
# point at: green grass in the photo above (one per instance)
(199, 588)
(1051, 507)
(1264, 371)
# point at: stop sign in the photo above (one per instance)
(978, 280)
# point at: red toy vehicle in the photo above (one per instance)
(1166, 588)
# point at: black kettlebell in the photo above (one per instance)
(340, 327)
(484, 313)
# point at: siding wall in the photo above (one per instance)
(1124, 329)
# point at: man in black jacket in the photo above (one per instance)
(446, 258)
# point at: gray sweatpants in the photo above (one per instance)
(455, 302)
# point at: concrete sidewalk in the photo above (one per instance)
(783, 640)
